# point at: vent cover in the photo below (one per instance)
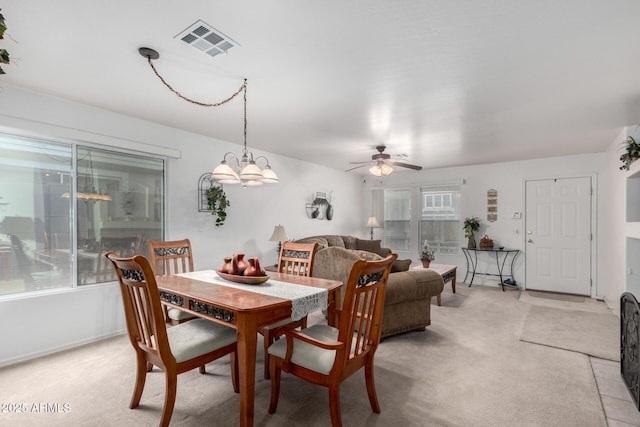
(207, 39)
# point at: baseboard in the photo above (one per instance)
(34, 355)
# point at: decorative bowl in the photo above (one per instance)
(247, 280)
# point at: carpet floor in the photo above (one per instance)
(469, 368)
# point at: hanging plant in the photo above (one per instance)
(4, 55)
(217, 202)
(631, 152)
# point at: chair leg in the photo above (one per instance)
(169, 398)
(235, 376)
(275, 373)
(334, 405)
(268, 340)
(371, 386)
(141, 376)
(303, 323)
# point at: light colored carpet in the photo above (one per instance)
(468, 368)
(594, 334)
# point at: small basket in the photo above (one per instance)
(486, 243)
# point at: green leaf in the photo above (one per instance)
(4, 56)
(2, 71)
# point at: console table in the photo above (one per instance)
(471, 256)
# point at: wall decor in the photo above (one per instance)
(321, 206)
(492, 205)
(212, 198)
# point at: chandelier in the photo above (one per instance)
(232, 169)
(89, 192)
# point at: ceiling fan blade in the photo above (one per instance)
(360, 163)
(357, 167)
(404, 165)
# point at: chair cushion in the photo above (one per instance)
(278, 324)
(175, 314)
(197, 337)
(307, 355)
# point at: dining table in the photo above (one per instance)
(247, 308)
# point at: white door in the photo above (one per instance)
(558, 235)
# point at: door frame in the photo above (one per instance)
(594, 291)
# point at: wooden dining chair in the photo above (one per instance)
(127, 246)
(174, 350)
(295, 258)
(167, 258)
(327, 356)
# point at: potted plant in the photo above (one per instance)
(471, 225)
(218, 203)
(631, 154)
(4, 55)
(426, 255)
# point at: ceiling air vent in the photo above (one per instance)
(207, 39)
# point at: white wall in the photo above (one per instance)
(508, 178)
(34, 325)
(614, 227)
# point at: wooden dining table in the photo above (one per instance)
(245, 311)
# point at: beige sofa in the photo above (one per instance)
(409, 292)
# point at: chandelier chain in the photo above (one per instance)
(202, 104)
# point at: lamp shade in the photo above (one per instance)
(279, 235)
(224, 174)
(269, 176)
(373, 222)
(251, 172)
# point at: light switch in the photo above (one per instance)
(516, 215)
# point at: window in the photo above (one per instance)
(440, 218)
(397, 219)
(46, 240)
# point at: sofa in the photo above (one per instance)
(407, 304)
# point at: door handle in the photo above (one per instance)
(529, 241)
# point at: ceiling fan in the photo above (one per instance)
(382, 163)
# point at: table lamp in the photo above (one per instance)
(372, 223)
(279, 235)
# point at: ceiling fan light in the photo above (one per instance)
(375, 170)
(252, 183)
(386, 169)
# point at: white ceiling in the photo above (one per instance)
(447, 82)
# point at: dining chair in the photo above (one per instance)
(126, 246)
(295, 258)
(167, 258)
(174, 350)
(327, 356)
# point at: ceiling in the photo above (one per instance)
(445, 82)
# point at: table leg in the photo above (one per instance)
(247, 346)
(453, 280)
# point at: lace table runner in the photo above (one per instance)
(304, 299)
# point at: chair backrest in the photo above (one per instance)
(142, 307)
(362, 308)
(171, 257)
(297, 258)
(123, 247)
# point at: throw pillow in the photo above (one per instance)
(335, 241)
(366, 255)
(370, 245)
(321, 241)
(350, 242)
(400, 265)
